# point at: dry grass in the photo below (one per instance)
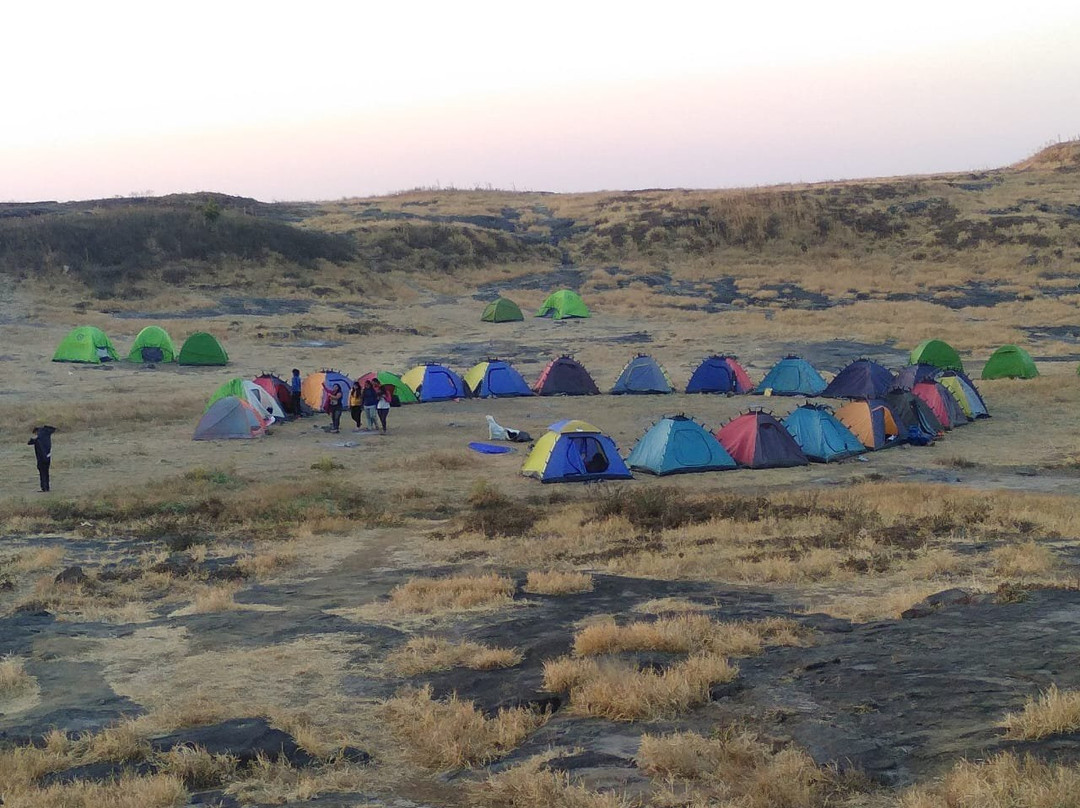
(558, 583)
(620, 692)
(38, 560)
(264, 564)
(1003, 780)
(156, 791)
(688, 633)
(735, 768)
(279, 783)
(530, 785)
(14, 679)
(425, 654)
(197, 768)
(1025, 560)
(453, 734)
(432, 595)
(670, 606)
(214, 599)
(1053, 712)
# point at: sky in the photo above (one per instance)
(325, 100)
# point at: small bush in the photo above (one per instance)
(426, 654)
(558, 583)
(1052, 713)
(494, 513)
(327, 464)
(430, 595)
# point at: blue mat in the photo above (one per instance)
(489, 448)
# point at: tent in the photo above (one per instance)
(911, 412)
(938, 353)
(907, 376)
(792, 376)
(278, 388)
(1010, 362)
(757, 440)
(965, 393)
(872, 421)
(563, 304)
(863, 378)
(85, 344)
(501, 311)
(941, 401)
(719, 374)
(268, 407)
(572, 454)
(152, 344)
(820, 435)
(642, 374)
(228, 418)
(677, 445)
(402, 394)
(314, 393)
(565, 376)
(496, 379)
(202, 349)
(434, 383)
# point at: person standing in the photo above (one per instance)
(356, 402)
(371, 402)
(385, 394)
(295, 387)
(42, 443)
(333, 405)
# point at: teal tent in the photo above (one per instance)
(678, 445)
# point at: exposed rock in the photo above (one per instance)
(72, 576)
(243, 738)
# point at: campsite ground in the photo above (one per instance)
(301, 577)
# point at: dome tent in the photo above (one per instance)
(757, 440)
(1010, 362)
(909, 375)
(938, 353)
(502, 310)
(575, 452)
(401, 395)
(719, 374)
(872, 421)
(85, 344)
(434, 382)
(565, 376)
(912, 413)
(943, 404)
(496, 378)
(820, 434)
(265, 404)
(202, 349)
(965, 393)
(278, 388)
(642, 375)
(313, 388)
(792, 376)
(678, 445)
(563, 304)
(863, 378)
(152, 344)
(229, 418)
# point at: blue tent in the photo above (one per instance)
(642, 374)
(577, 452)
(496, 379)
(821, 435)
(676, 445)
(792, 376)
(910, 375)
(719, 374)
(863, 378)
(435, 383)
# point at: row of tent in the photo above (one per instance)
(561, 305)
(576, 451)
(90, 345)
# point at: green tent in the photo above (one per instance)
(85, 344)
(938, 353)
(562, 304)
(502, 311)
(402, 392)
(1010, 362)
(202, 349)
(153, 344)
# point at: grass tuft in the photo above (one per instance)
(558, 583)
(1053, 712)
(426, 654)
(530, 785)
(432, 595)
(453, 734)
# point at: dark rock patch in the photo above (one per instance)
(243, 738)
(72, 576)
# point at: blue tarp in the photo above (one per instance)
(489, 448)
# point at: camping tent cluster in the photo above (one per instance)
(90, 345)
(561, 305)
(915, 406)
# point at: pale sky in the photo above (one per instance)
(323, 100)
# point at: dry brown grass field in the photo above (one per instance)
(744, 638)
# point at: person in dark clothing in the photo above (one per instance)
(370, 401)
(356, 403)
(386, 395)
(295, 387)
(42, 443)
(334, 405)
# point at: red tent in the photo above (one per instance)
(278, 388)
(757, 440)
(942, 402)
